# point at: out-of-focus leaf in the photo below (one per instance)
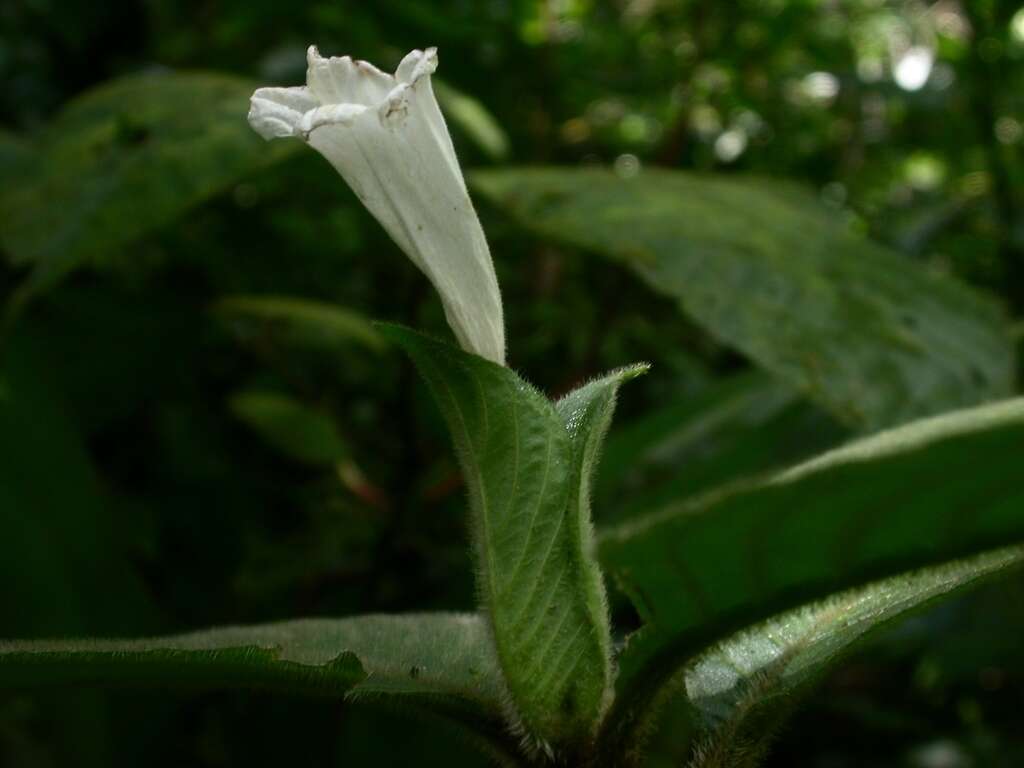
(741, 687)
(873, 338)
(472, 118)
(929, 492)
(114, 351)
(61, 556)
(15, 154)
(302, 321)
(124, 159)
(741, 426)
(58, 540)
(299, 432)
(527, 467)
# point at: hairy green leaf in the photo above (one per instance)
(440, 664)
(767, 270)
(743, 686)
(587, 413)
(527, 466)
(444, 655)
(124, 159)
(929, 492)
(302, 321)
(296, 430)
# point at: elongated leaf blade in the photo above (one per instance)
(926, 493)
(296, 430)
(440, 664)
(767, 270)
(535, 580)
(302, 321)
(743, 686)
(587, 414)
(471, 118)
(124, 159)
(443, 655)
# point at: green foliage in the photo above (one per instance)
(471, 117)
(528, 464)
(63, 558)
(418, 655)
(742, 687)
(122, 160)
(702, 567)
(742, 425)
(299, 321)
(587, 413)
(297, 431)
(133, 501)
(54, 531)
(439, 661)
(766, 270)
(14, 154)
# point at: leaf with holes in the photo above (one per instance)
(442, 662)
(527, 464)
(876, 340)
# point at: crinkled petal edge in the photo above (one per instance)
(295, 112)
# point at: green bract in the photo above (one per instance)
(528, 465)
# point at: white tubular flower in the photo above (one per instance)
(385, 135)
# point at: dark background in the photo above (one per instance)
(148, 506)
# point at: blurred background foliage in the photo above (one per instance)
(200, 426)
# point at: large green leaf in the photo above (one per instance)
(742, 425)
(440, 664)
(429, 655)
(299, 320)
(929, 492)
(766, 269)
(744, 686)
(124, 159)
(527, 466)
